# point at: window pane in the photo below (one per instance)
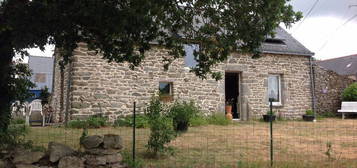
(273, 88)
(165, 88)
(189, 56)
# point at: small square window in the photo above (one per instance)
(165, 90)
(190, 60)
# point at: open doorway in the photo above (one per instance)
(232, 92)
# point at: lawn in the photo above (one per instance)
(242, 144)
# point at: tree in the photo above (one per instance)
(122, 29)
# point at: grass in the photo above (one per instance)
(242, 144)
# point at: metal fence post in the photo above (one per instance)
(134, 127)
(271, 132)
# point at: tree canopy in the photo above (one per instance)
(122, 30)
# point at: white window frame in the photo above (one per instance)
(279, 103)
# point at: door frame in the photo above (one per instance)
(239, 102)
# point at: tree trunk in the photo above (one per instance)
(6, 55)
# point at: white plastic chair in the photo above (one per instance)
(35, 108)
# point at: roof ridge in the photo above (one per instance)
(330, 59)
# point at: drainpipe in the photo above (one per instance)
(312, 86)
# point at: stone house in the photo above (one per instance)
(90, 85)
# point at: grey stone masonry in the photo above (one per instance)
(328, 90)
(99, 87)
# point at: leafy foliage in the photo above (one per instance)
(141, 121)
(218, 120)
(270, 112)
(44, 96)
(122, 30)
(182, 113)
(161, 129)
(14, 137)
(128, 160)
(198, 120)
(91, 122)
(309, 112)
(350, 93)
(18, 121)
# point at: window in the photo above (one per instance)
(189, 55)
(40, 77)
(274, 41)
(274, 89)
(165, 90)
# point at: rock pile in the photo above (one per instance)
(99, 152)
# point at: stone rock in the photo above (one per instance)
(57, 151)
(117, 165)
(26, 166)
(71, 162)
(96, 160)
(112, 141)
(94, 141)
(97, 151)
(116, 158)
(2, 164)
(27, 157)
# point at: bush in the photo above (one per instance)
(181, 113)
(161, 129)
(91, 122)
(141, 121)
(77, 124)
(218, 120)
(14, 137)
(350, 93)
(309, 112)
(198, 121)
(17, 121)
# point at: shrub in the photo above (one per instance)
(161, 129)
(272, 112)
(14, 137)
(218, 120)
(309, 112)
(141, 121)
(18, 121)
(128, 160)
(77, 124)
(181, 113)
(198, 121)
(350, 93)
(91, 122)
(96, 122)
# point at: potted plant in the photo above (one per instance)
(181, 114)
(266, 117)
(308, 116)
(229, 104)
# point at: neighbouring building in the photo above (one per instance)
(344, 66)
(42, 70)
(90, 85)
(332, 76)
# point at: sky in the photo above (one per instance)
(329, 29)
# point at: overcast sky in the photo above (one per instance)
(329, 30)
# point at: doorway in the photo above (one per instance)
(232, 92)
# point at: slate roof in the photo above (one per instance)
(346, 65)
(290, 46)
(43, 65)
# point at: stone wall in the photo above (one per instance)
(99, 152)
(59, 96)
(328, 90)
(99, 87)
